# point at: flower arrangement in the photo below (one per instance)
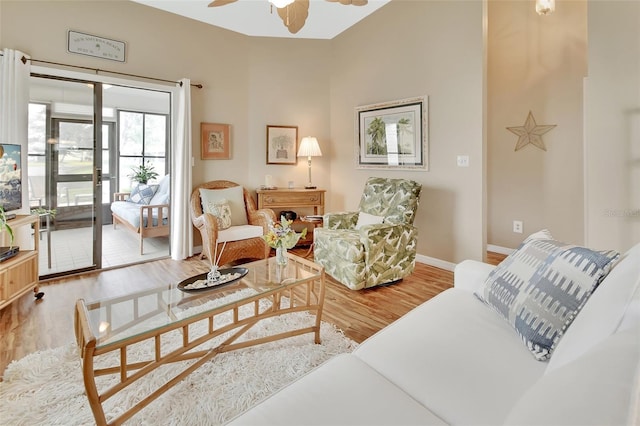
(282, 235)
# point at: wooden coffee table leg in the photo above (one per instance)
(86, 345)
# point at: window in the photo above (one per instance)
(142, 139)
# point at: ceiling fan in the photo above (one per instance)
(292, 12)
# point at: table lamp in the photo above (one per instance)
(309, 148)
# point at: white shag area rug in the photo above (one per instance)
(46, 387)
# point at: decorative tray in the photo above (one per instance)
(227, 276)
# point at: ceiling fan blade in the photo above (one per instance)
(295, 15)
(216, 3)
(350, 2)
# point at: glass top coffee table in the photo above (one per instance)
(110, 327)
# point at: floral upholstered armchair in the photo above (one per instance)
(375, 245)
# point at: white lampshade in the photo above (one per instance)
(545, 7)
(281, 3)
(309, 147)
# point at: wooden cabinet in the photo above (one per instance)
(283, 199)
(296, 199)
(19, 274)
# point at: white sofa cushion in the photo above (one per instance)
(540, 288)
(457, 357)
(343, 391)
(598, 388)
(614, 304)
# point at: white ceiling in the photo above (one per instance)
(254, 17)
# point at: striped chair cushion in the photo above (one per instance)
(541, 287)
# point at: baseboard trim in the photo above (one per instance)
(498, 249)
(438, 263)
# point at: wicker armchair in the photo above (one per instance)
(235, 248)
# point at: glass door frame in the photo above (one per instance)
(95, 176)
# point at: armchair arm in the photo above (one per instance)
(340, 220)
(262, 217)
(207, 224)
(121, 196)
(389, 250)
(470, 274)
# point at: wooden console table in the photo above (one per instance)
(284, 199)
(291, 198)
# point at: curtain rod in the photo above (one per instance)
(24, 60)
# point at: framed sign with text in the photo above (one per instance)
(99, 47)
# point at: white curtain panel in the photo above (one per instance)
(14, 106)
(181, 229)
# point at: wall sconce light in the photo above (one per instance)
(309, 148)
(545, 7)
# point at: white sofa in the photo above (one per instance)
(453, 360)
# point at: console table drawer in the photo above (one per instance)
(295, 198)
(291, 198)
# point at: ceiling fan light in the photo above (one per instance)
(545, 7)
(281, 3)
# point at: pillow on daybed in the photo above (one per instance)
(233, 195)
(164, 190)
(541, 287)
(142, 193)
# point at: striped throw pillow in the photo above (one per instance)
(540, 288)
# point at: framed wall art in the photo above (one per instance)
(282, 144)
(216, 141)
(393, 135)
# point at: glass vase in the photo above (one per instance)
(281, 256)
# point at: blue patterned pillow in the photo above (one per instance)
(143, 193)
(540, 288)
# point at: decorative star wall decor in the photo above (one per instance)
(531, 133)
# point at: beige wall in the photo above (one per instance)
(612, 125)
(288, 82)
(403, 50)
(536, 63)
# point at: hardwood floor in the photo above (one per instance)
(27, 325)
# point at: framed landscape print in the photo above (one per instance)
(216, 143)
(392, 135)
(282, 144)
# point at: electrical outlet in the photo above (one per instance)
(463, 161)
(517, 226)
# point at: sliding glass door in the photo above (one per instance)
(74, 171)
(64, 173)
